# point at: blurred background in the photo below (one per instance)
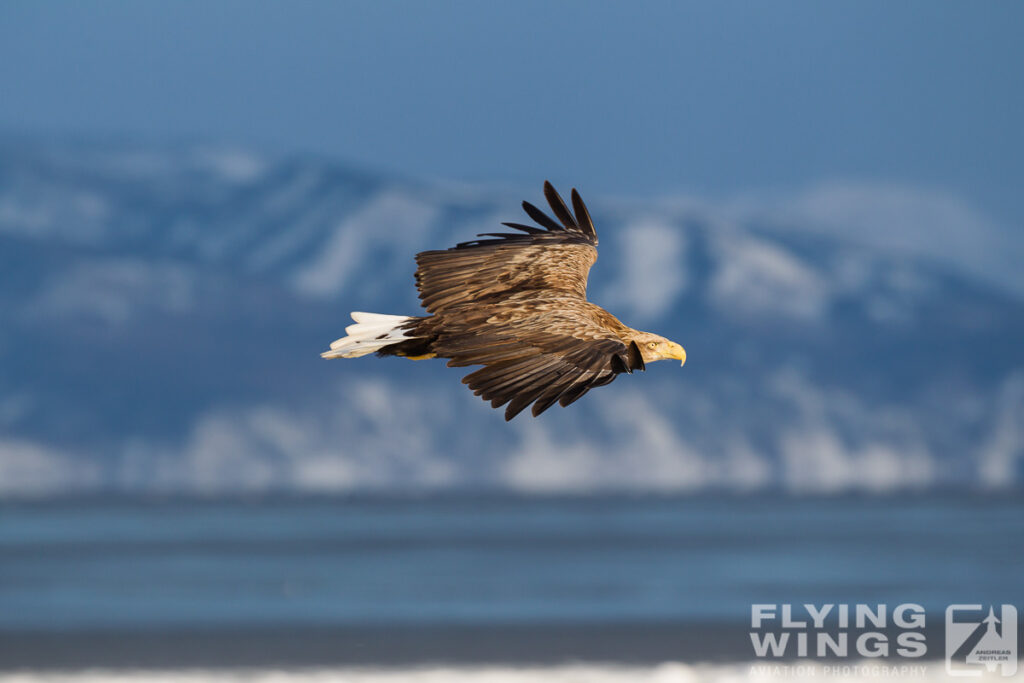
(822, 203)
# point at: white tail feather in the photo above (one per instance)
(372, 332)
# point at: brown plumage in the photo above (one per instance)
(516, 304)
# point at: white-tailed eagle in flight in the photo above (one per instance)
(515, 303)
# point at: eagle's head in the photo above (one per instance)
(653, 347)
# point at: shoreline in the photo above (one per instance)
(403, 645)
(665, 672)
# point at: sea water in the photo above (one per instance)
(420, 569)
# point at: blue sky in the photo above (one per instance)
(628, 98)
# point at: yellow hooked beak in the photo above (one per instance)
(678, 352)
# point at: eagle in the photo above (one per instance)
(516, 304)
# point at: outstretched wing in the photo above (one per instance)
(555, 256)
(537, 352)
(562, 375)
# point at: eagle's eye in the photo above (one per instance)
(652, 345)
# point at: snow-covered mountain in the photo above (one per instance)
(162, 311)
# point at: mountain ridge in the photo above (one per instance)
(167, 309)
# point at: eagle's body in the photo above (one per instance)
(516, 304)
